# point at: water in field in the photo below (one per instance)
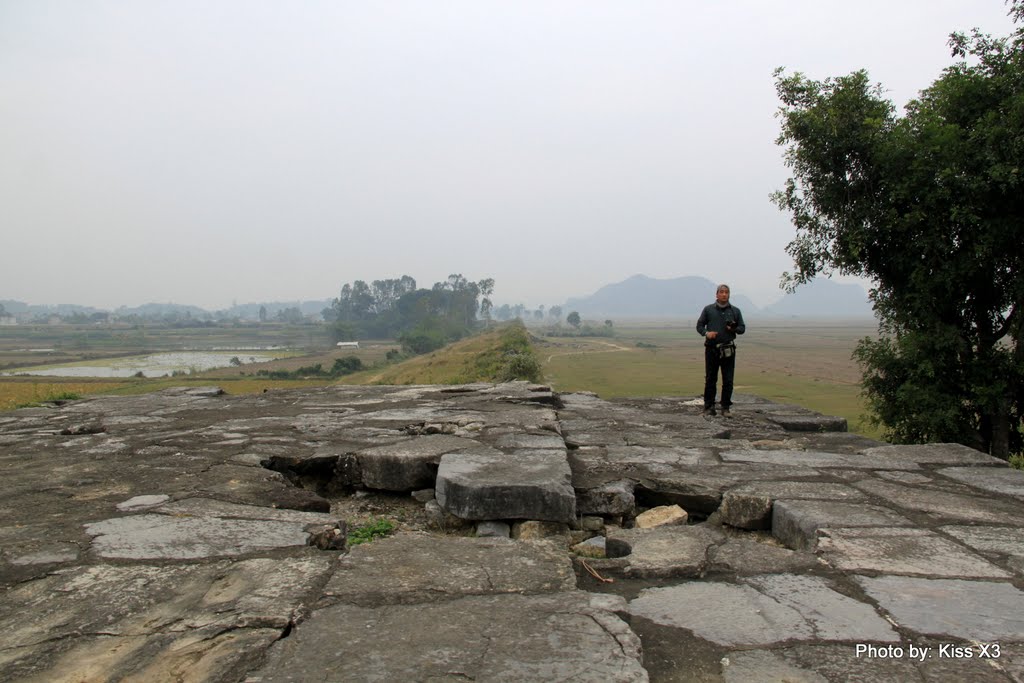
(151, 365)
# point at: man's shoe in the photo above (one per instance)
(709, 412)
(726, 412)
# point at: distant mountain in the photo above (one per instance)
(823, 298)
(646, 297)
(154, 309)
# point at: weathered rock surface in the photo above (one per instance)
(489, 484)
(189, 535)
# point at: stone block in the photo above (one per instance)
(796, 522)
(746, 511)
(664, 552)
(663, 515)
(408, 465)
(488, 484)
(534, 531)
(613, 498)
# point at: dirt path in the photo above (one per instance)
(613, 347)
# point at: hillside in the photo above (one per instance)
(823, 298)
(501, 354)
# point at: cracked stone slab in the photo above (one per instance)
(662, 552)
(942, 505)
(819, 459)
(565, 636)
(796, 522)
(763, 610)
(936, 454)
(746, 556)
(1007, 481)
(408, 465)
(1007, 541)
(700, 489)
(413, 568)
(902, 551)
(974, 610)
(109, 622)
(491, 485)
(152, 536)
(750, 506)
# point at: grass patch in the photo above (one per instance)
(371, 531)
(17, 393)
(500, 354)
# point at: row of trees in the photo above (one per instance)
(929, 206)
(421, 319)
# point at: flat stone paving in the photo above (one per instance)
(168, 537)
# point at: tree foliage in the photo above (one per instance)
(929, 206)
(421, 319)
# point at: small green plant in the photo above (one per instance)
(371, 531)
(1017, 461)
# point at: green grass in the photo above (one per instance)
(371, 531)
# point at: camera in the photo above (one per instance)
(730, 326)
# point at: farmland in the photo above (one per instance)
(807, 363)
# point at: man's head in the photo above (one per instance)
(722, 295)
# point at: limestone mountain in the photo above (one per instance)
(823, 298)
(645, 297)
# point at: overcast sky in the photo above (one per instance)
(210, 152)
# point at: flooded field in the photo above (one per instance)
(152, 365)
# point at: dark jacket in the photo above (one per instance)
(713, 319)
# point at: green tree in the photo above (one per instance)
(486, 287)
(927, 205)
(573, 319)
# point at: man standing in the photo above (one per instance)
(719, 323)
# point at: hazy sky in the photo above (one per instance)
(205, 152)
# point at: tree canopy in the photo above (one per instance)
(929, 205)
(422, 319)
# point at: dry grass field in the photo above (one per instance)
(806, 363)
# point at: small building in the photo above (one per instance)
(350, 345)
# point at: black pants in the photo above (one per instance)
(712, 363)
